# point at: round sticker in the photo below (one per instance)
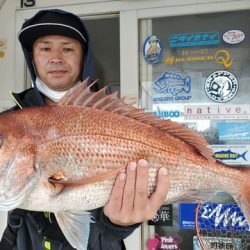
(221, 86)
(152, 49)
(233, 36)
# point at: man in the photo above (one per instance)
(56, 48)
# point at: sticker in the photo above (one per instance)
(164, 216)
(217, 112)
(233, 36)
(172, 83)
(221, 86)
(213, 216)
(234, 131)
(193, 39)
(222, 216)
(164, 242)
(171, 86)
(152, 49)
(217, 243)
(222, 57)
(187, 215)
(232, 154)
(166, 114)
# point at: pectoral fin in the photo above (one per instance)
(60, 179)
(75, 226)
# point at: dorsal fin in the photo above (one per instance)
(82, 96)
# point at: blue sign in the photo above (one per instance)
(193, 39)
(234, 131)
(187, 215)
(213, 216)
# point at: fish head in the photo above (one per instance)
(17, 169)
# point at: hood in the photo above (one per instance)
(54, 22)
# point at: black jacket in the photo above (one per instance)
(28, 230)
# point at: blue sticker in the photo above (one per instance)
(213, 216)
(187, 215)
(234, 131)
(222, 216)
(193, 39)
(152, 49)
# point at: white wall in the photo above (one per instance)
(7, 62)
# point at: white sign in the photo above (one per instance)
(233, 36)
(212, 243)
(217, 112)
(232, 154)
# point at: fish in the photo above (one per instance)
(65, 158)
(229, 155)
(171, 83)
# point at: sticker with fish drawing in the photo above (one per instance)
(232, 154)
(172, 86)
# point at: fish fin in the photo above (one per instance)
(75, 226)
(243, 199)
(197, 196)
(82, 96)
(87, 180)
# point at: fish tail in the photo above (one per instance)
(244, 155)
(244, 197)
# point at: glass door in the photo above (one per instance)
(195, 69)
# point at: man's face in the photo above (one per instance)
(58, 61)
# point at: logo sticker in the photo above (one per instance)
(217, 112)
(164, 216)
(232, 154)
(164, 242)
(152, 49)
(234, 131)
(222, 243)
(193, 56)
(233, 36)
(193, 39)
(221, 86)
(172, 83)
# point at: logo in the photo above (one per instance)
(221, 86)
(164, 216)
(229, 155)
(223, 57)
(164, 242)
(232, 154)
(234, 131)
(217, 112)
(194, 39)
(166, 114)
(193, 56)
(172, 83)
(233, 36)
(152, 49)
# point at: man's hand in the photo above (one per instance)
(129, 203)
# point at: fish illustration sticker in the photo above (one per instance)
(221, 86)
(232, 154)
(172, 83)
(152, 49)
